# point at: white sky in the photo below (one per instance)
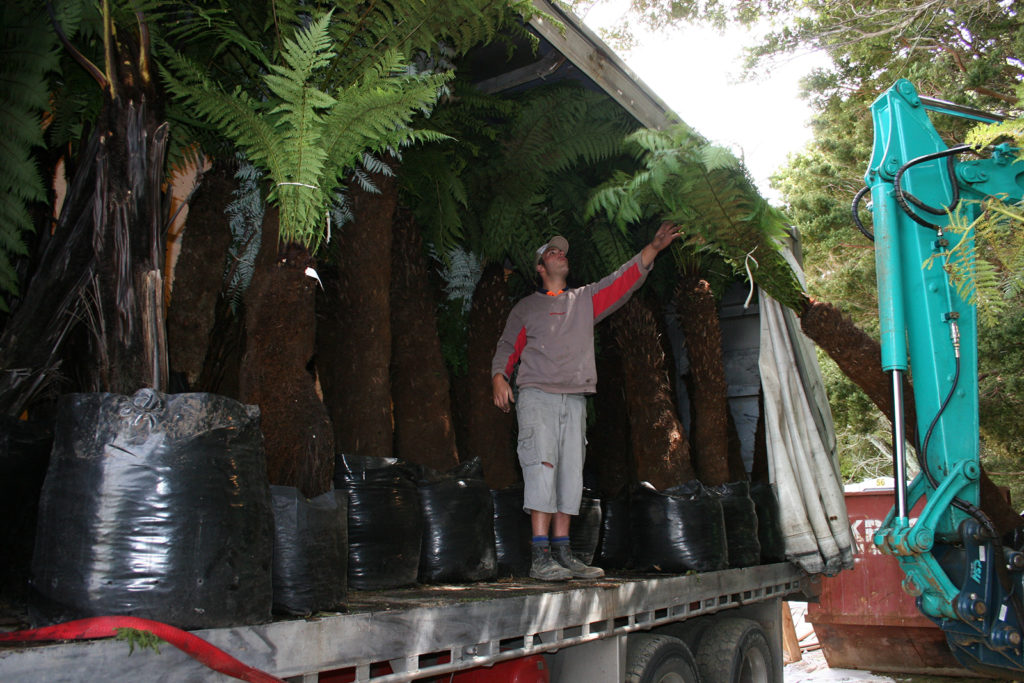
(693, 70)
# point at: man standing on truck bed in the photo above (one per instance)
(550, 334)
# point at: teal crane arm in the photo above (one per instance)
(951, 556)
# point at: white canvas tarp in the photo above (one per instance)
(801, 446)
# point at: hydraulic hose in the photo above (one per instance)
(856, 213)
(904, 199)
(974, 511)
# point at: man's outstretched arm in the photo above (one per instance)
(666, 233)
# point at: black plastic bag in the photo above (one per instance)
(155, 506)
(385, 525)
(310, 550)
(458, 526)
(677, 530)
(740, 523)
(614, 546)
(769, 535)
(24, 455)
(512, 532)
(585, 530)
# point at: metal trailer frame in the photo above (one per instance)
(585, 623)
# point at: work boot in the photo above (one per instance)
(564, 557)
(545, 568)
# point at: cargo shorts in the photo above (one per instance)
(552, 447)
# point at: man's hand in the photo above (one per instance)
(503, 397)
(666, 233)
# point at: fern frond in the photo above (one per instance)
(341, 209)
(717, 158)
(364, 31)
(376, 165)
(986, 264)
(307, 140)
(461, 270)
(245, 220)
(28, 54)
(706, 190)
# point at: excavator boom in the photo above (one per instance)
(924, 199)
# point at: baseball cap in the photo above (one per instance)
(557, 242)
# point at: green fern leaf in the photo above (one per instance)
(29, 55)
(717, 158)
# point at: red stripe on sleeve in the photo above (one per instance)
(619, 287)
(517, 352)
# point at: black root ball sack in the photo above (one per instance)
(458, 525)
(155, 506)
(385, 524)
(678, 529)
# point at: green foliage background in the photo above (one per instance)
(966, 51)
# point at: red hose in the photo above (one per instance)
(105, 627)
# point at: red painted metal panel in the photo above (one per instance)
(871, 594)
(864, 619)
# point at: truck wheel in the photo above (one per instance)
(687, 631)
(654, 658)
(734, 650)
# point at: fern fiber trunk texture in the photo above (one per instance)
(424, 433)
(608, 438)
(129, 329)
(33, 338)
(102, 265)
(859, 358)
(222, 364)
(275, 374)
(698, 317)
(199, 274)
(355, 340)
(659, 441)
(488, 432)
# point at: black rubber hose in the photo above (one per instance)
(856, 214)
(904, 199)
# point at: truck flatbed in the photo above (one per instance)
(425, 630)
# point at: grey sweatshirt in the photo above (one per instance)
(551, 337)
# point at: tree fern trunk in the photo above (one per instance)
(659, 442)
(698, 316)
(103, 265)
(33, 338)
(489, 431)
(859, 358)
(420, 390)
(129, 327)
(276, 374)
(222, 364)
(199, 275)
(608, 442)
(856, 354)
(354, 349)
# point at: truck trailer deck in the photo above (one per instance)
(415, 633)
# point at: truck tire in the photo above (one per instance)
(734, 650)
(652, 658)
(687, 631)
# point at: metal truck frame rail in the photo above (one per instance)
(411, 629)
